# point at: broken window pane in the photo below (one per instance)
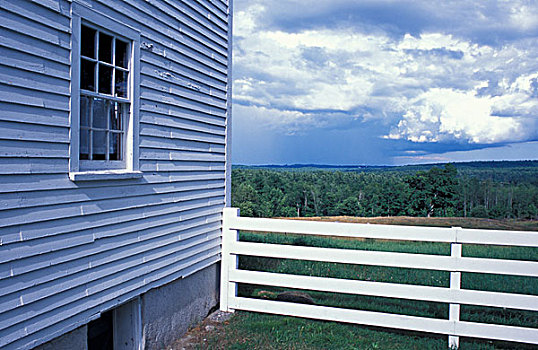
(121, 83)
(87, 45)
(105, 79)
(122, 56)
(105, 48)
(87, 75)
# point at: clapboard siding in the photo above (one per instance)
(21, 78)
(30, 183)
(37, 13)
(32, 63)
(26, 44)
(71, 196)
(31, 149)
(70, 250)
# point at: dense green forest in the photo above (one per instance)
(480, 189)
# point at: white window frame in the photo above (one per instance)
(99, 170)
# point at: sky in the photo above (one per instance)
(382, 82)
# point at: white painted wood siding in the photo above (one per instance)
(69, 250)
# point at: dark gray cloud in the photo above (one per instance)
(483, 22)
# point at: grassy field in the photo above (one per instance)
(258, 331)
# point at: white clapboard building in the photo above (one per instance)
(113, 169)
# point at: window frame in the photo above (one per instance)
(85, 170)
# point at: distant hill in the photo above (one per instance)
(412, 167)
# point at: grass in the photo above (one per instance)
(260, 331)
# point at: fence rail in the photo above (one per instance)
(455, 264)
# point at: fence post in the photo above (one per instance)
(228, 261)
(455, 284)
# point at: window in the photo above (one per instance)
(104, 98)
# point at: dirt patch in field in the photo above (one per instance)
(197, 337)
(477, 223)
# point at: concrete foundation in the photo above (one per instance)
(74, 340)
(167, 312)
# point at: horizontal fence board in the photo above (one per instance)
(344, 256)
(390, 259)
(498, 332)
(394, 232)
(414, 233)
(370, 318)
(389, 290)
(498, 237)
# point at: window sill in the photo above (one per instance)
(104, 175)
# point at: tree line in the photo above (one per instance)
(438, 191)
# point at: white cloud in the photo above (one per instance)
(445, 115)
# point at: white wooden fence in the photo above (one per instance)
(455, 264)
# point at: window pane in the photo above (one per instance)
(87, 42)
(105, 48)
(84, 143)
(122, 56)
(99, 145)
(115, 150)
(85, 105)
(121, 83)
(115, 116)
(87, 75)
(99, 113)
(105, 79)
